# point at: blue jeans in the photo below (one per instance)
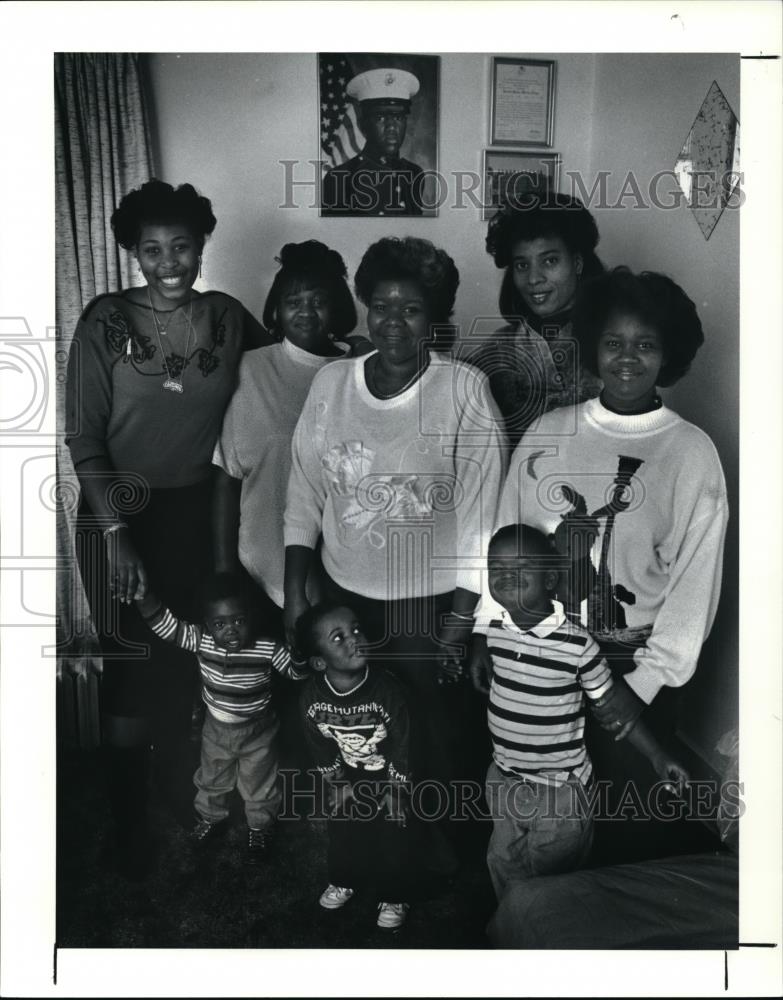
(241, 755)
(537, 829)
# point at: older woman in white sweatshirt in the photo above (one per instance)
(398, 460)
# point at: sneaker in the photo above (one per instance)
(258, 844)
(335, 896)
(205, 830)
(392, 915)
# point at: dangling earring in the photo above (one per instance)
(199, 266)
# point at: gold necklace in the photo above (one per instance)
(159, 328)
(171, 383)
(397, 392)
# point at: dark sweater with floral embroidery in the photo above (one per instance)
(115, 394)
(531, 373)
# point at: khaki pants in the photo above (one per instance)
(243, 756)
(536, 829)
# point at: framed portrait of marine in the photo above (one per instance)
(378, 118)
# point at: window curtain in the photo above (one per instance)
(102, 150)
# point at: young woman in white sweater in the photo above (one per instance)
(634, 494)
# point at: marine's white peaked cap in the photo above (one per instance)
(383, 84)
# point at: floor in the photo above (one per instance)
(212, 899)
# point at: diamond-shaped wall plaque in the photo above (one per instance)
(707, 168)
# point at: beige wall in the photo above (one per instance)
(643, 109)
(224, 123)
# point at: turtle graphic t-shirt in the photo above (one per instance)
(364, 731)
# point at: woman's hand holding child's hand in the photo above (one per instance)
(618, 711)
(292, 611)
(127, 576)
(456, 637)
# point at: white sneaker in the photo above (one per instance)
(392, 915)
(335, 896)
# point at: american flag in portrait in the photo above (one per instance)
(340, 135)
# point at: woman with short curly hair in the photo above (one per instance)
(546, 245)
(151, 371)
(411, 260)
(397, 463)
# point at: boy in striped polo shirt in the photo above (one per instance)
(238, 747)
(543, 667)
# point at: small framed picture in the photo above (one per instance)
(511, 176)
(522, 112)
(378, 118)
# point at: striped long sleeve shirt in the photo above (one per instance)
(536, 701)
(236, 686)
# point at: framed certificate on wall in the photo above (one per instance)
(523, 102)
(510, 178)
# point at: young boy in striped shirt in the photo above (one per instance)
(238, 746)
(543, 668)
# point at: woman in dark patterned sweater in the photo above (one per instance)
(546, 243)
(151, 371)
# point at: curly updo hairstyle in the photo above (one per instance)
(534, 216)
(411, 259)
(312, 265)
(159, 204)
(654, 300)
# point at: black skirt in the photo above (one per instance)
(144, 676)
